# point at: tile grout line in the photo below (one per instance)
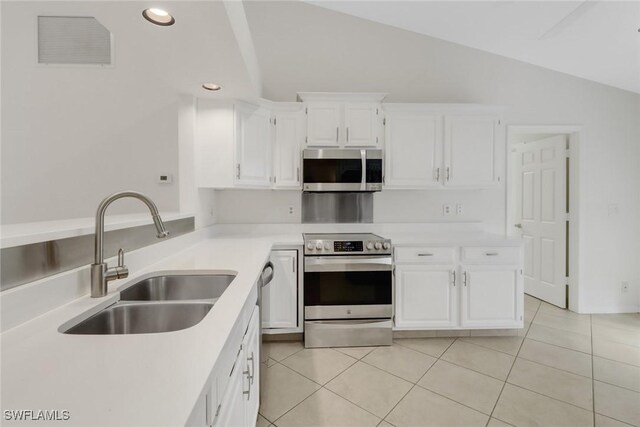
(514, 362)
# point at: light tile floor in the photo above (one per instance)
(564, 369)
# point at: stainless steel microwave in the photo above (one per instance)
(341, 169)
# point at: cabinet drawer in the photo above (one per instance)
(491, 255)
(425, 255)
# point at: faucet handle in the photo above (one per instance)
(120, 257)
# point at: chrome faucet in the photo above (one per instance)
(101, 274)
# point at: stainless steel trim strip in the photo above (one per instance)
(331, 186)
(347, 263)
(331, 153)
(24, 264)
(364, 311)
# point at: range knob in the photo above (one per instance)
(318, 245)
(386, 245)
(310, 246)
(327, 246)
(378, 245)
(370, 246)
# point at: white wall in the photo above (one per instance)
(337, 52)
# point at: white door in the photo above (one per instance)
(232, 406)
(251, 350)
(289, 137)
(361, 124)
(491, 296)
(280, 297)
(253, 146)
(470, 151)
(413, 150)
(426, 297)
(323, 124)
(541, 213)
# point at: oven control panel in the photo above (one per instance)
(377, 246)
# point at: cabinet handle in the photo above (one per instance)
(238, 171)
(465, 279)
(491, 253)
(298, 174)
(454, 277)
(437, 174)
(426, 254)
(248, 391)
(252, 368)
(347, 134)
(293, 262)
(337, 133)
(448, 173)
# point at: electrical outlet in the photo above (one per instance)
(291, 210)
(165, 178)
(447, 209)
(625, 287)
(459, 209)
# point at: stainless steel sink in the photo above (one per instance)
(142, 318)
(178, 287)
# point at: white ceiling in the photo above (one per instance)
(595, 40)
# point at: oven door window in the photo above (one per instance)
(347, 288)
(332, 171)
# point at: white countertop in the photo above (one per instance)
(153, 379)
(145, 379)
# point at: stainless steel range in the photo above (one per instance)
(347, 290)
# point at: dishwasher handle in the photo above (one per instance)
(267, 274)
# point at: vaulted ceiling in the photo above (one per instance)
(595, 40)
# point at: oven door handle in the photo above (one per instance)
(327, 264)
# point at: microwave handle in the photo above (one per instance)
(363, 182)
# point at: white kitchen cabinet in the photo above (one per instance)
(361, 124)
(288, 140)
(324, 120)
(470, 152)
(232, 145)
(492, 296)
(240, 401)
(253, 146)
(413, 150)
(425, 297)
(280, 297)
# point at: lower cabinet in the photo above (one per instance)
(481, 292)
(426, 296)
(280, 297)
(240, 400)
(491, 296)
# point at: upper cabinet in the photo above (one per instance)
(253, 146)
(470, 151)
(343, 120)
(289, 138)
(233, 145)
(436, 146)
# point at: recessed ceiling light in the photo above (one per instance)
(211, 86)
(158, 17)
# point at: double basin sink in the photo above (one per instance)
(157, 304)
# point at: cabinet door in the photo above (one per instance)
(280, 297)
(289, 137)
(232, 406)
(251, 349)
(323, 124)
(426, 297)
(253, 146)
(491, 296)
(470, 151)
(361, 124)
(413, 150)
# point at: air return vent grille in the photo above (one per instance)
(73, 40)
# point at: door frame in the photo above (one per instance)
(575, 136)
